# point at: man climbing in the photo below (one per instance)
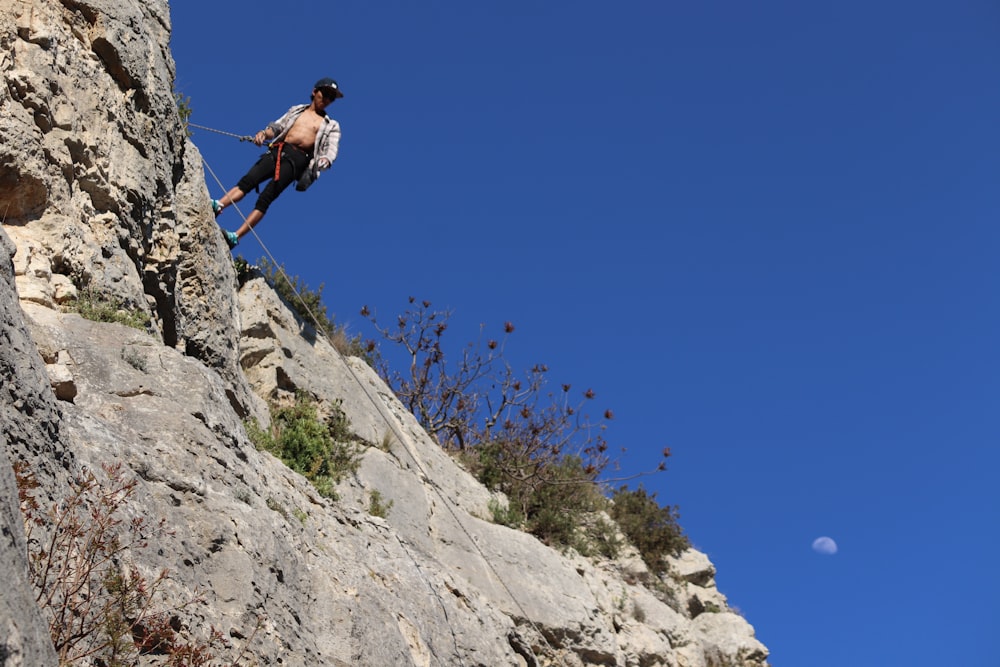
(304, 142)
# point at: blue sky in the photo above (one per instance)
(765, 233)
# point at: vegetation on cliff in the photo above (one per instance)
(541, 448)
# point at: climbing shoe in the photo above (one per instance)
(231, 238)
(216, 207)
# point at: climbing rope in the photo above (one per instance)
(445, 501)
(392, 424)
(241, 137)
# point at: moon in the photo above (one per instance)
(825, 546)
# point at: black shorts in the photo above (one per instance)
(292, 164)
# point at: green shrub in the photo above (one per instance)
(551, 499)
(601, 538)
(242, 268)
(134, 359)
(377, 505)
(183, 110)
(505, 515)
(322, 450)
(558, 507)
(652, 529)
(94, 306)
(275, 506)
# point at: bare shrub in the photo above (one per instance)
(101, 609)
(540, 447)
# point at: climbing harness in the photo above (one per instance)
(277, 160)
(381, 408)
(278, 154)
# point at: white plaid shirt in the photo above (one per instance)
(327, 139)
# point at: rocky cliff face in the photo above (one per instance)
(101, 191)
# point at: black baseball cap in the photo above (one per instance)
(327, 82)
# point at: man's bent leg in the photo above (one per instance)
(231, 197)
(267, 197)
(251, 222)
(292, 163)
(260, 172)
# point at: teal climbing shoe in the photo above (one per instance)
(231, 238)
(216, 207)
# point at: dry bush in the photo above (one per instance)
(100, 608)
(539, 447)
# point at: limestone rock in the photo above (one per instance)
(694, 567)
(100, 190)
(61, 380)
(99, 185)
(728, 639)
(29, 423)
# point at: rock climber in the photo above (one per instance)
(304, 142)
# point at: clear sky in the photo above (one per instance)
(765, 233)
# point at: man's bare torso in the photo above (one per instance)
(304, 129)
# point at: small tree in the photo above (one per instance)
(539, 447)
(480, 398)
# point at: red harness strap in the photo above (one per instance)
(277, 161)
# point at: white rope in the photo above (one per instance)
(393, 426)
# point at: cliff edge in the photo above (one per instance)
(102, 193)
